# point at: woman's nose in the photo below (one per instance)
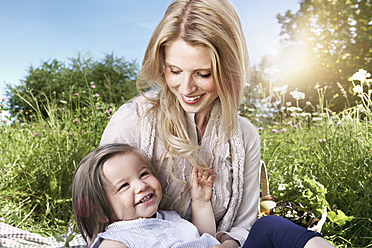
(187, 85)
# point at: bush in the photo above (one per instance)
(115, 79)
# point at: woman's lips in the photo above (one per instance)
(191, 99)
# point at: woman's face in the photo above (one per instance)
(188, 74)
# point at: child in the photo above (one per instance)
(116, 198)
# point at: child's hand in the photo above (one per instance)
(201, 185)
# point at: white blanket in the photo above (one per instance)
(12, 237)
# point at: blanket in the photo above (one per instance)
(12, 237)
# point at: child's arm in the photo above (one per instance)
(201, 192)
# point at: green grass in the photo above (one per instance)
(320, 159)
(38, 159)
(337, 159)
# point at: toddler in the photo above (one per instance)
(116, 198)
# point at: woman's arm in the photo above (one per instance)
(201, 206)
(230, 243)
(248, 210)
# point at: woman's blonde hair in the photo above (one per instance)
(91, 209)
(213, 24)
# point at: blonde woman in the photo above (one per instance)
(191, 81)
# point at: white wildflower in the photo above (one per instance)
(297, 95)
(317, 119)
(294, 109)
(281, 187)
(358, 89)
(360, 106)
(280, 89)
(360, 75)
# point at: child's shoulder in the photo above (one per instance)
(168, 215)
(107, 243)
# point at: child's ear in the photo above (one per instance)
(103, 219)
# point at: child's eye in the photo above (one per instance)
(145, 173)
(123, 186)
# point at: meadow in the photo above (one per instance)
(313, 155)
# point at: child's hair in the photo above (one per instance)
(91, 208)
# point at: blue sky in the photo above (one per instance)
(33, 31)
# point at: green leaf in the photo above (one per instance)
(339, 218)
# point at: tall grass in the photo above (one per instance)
(322, 159)
(38, 159)
(313, 156)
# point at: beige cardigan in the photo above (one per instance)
(236, 162)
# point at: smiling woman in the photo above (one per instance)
(196, 65)
(188, 74)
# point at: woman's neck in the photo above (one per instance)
(201, 121)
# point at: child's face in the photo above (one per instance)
(133, 191)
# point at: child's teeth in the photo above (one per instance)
(145, 199)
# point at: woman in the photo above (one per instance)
(197, 62)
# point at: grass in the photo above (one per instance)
(316, 157)
(38, 161)
(338, 159)
(321, 158)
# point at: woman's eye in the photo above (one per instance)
(175, 72)
(205, 75)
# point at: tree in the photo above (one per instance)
(332, 39)
(114, 79)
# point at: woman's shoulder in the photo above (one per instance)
(125, 123)
(247, 126)
(250, 134)
(138, 104)
(133, 109)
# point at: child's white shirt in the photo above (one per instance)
(168, 229)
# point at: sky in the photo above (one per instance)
(32, 32)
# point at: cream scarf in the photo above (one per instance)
(148, 131)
